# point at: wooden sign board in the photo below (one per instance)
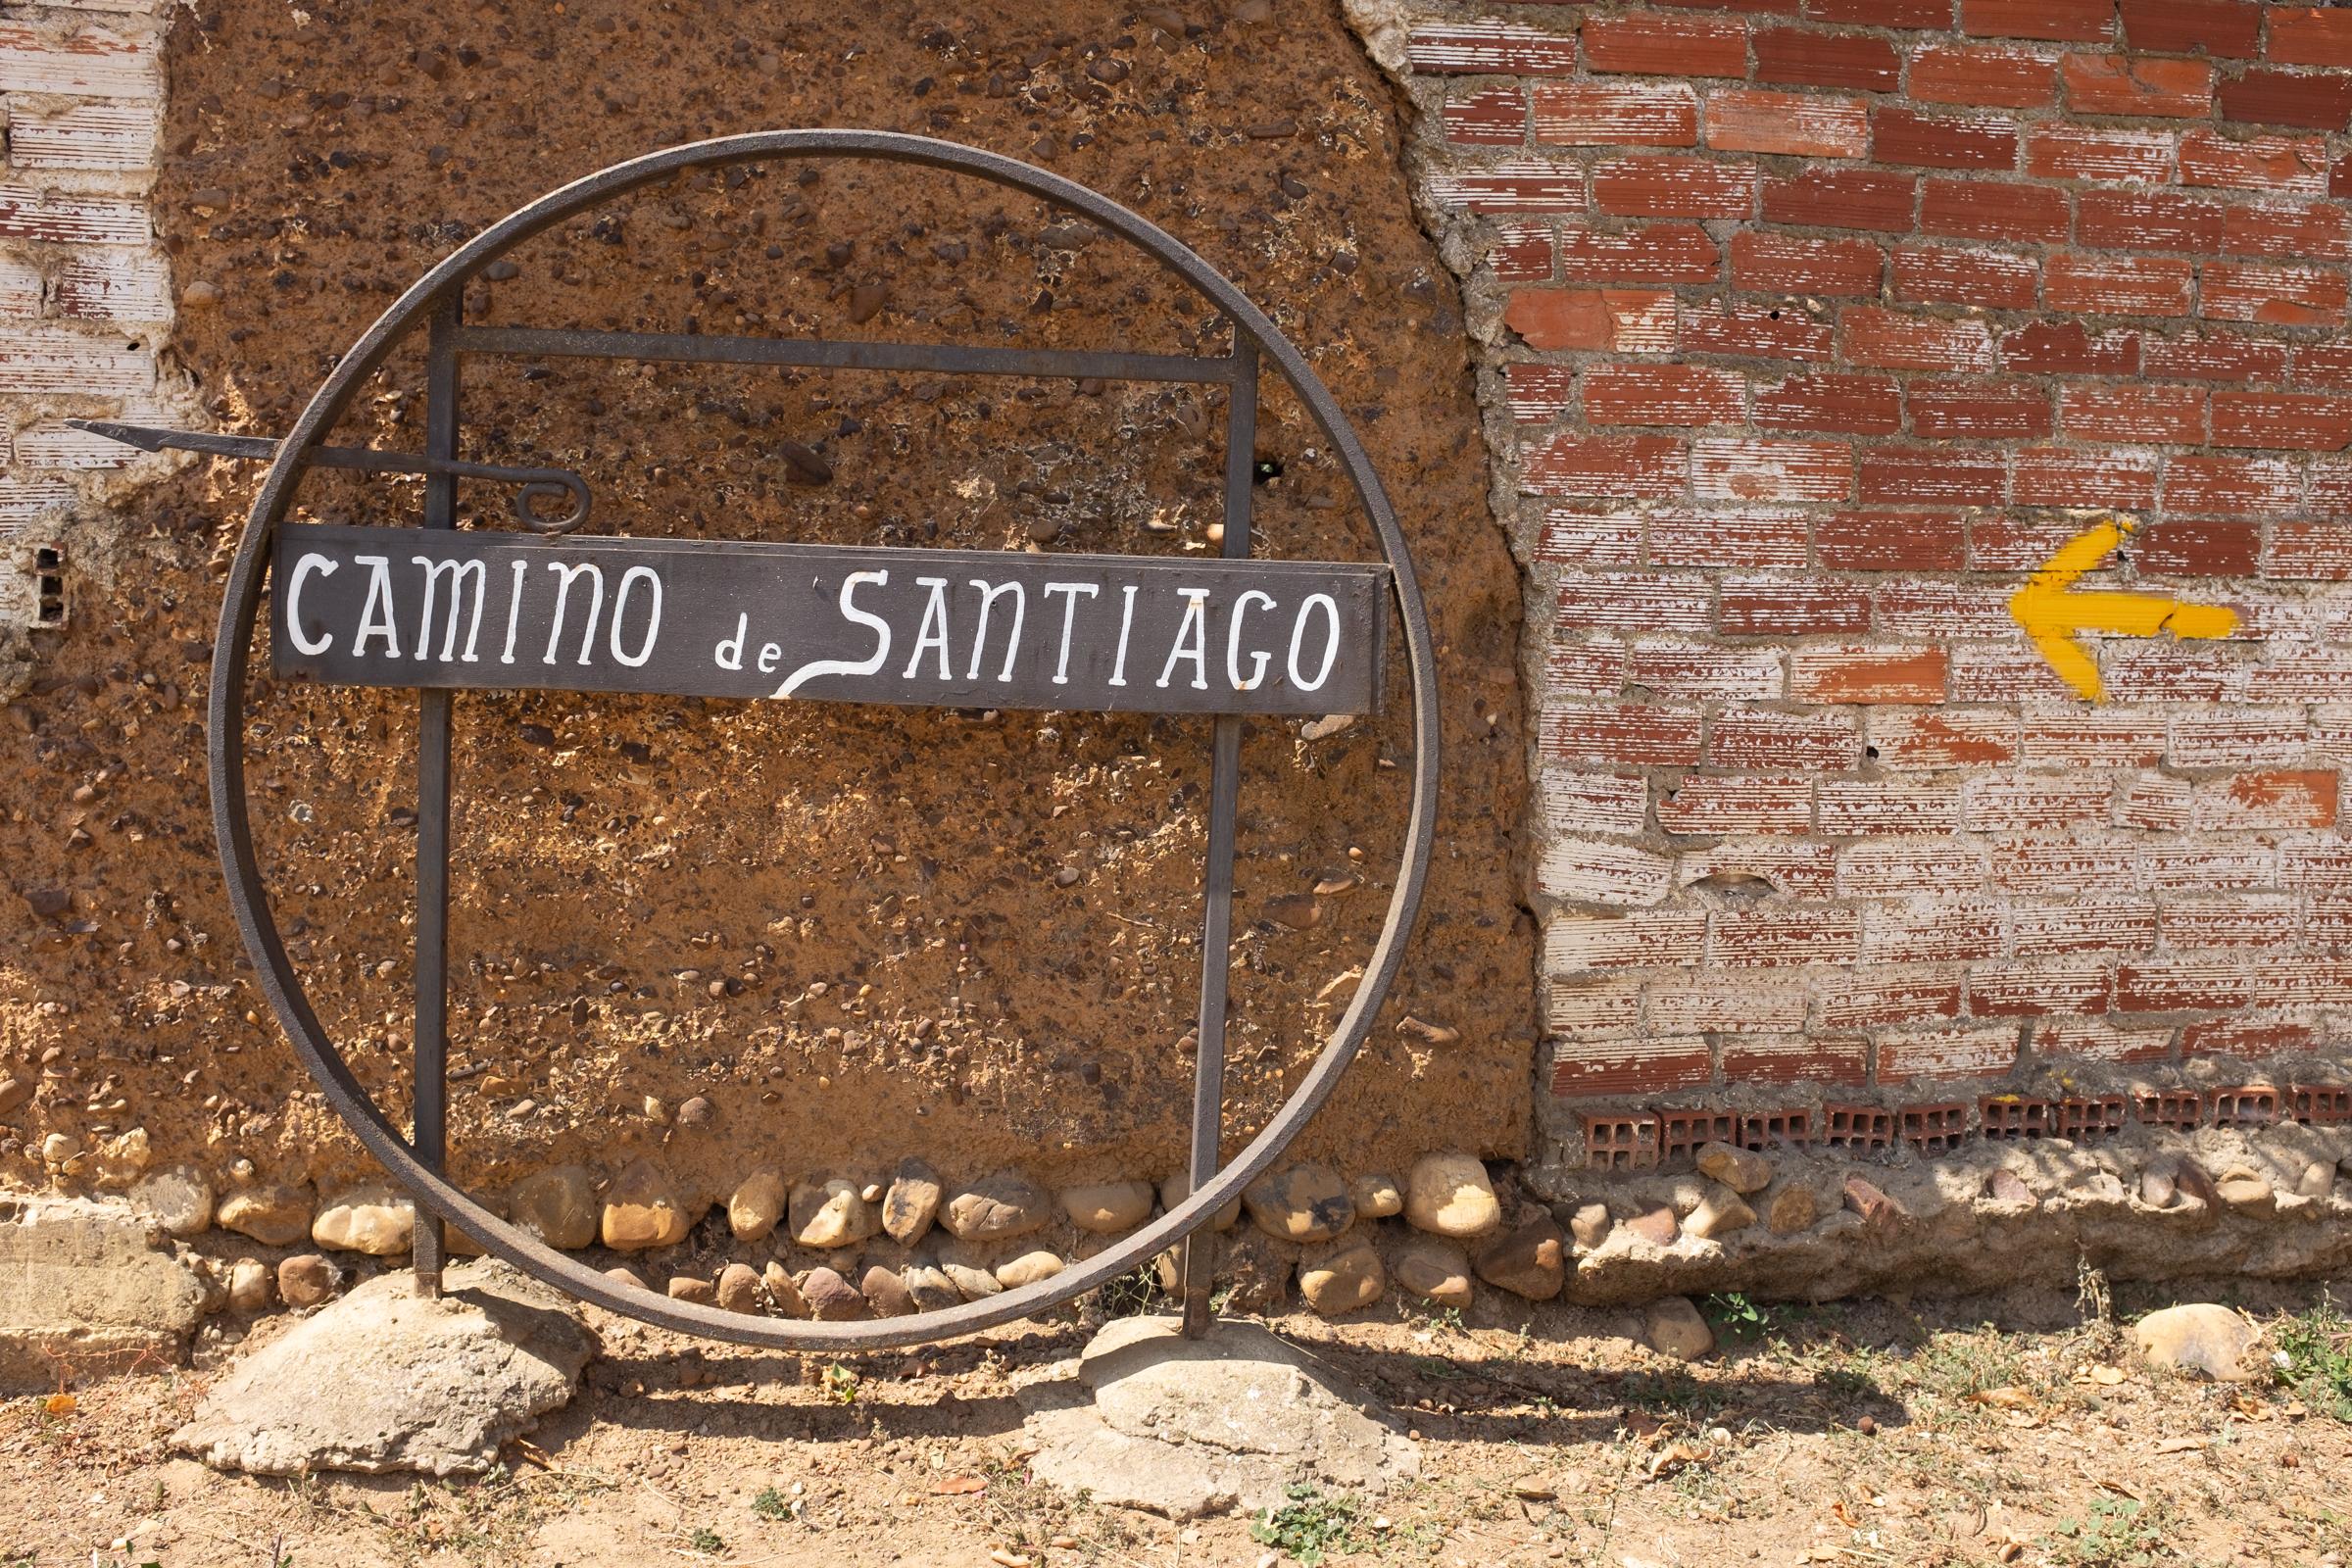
(952, 628)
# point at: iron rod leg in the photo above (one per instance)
(1216, 920)
(430, 1137)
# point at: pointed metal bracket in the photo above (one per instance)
(532, 482)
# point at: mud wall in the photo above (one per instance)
(733, 938)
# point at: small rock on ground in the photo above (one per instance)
(1192, 1427)
(2200, 1337)
(419, 1385)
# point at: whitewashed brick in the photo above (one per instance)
(65, 219)
(19, 289)
(107, 134)
(24, 498)
(1603, 873)
(56, 358)
(114, 285)
(85, 60)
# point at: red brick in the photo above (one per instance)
(1868, 806)
(2118, 85)
(2069, 348)
(2215, 357)
(1792, 606)
(2154, 805)
(1842, 403)
(1668, 46)
(1538, 394)
(1747, 468)
(1984, 75)
(1907, 868)
(1621, 736)
(2326, 364)
(2238, 738)
(2307, 232)
(1844, 198)
(2230, 29)
(2262, 96)
(2310, 35)
(2061, 151)
(1639, 938)
(2111, 739)
(2182, 985)
(2059, 930)
(1652, 252)
(2272, 801)
(1896, 341)
(2297, 164)
(1940, 612)
(1946, 1054)
(1630, 601)
(1595, 1067)
(1519, 252)
(1958, 274)
(1881, 13)
(1799, 57)
(1855, 674)
(1661, 186)
(1490, 45)
(2300, 420)
(1715, 1003)
(1754, 330)
(2014, 542)
(2197, 545)
(2061, 866)
(1627, 319)
(2117, 285)
(2310, 550)
(2247, 1037)
(2275, 295)
(1976, 209)
(1765, 741)
(1799, 1060)
(2228, 920)
(1662, 114)
(1785, 935)
(1717, 538)
(1933, 475)
(1592, 539)
(1755, 119)
(2035, 803)
(2038, 988)
(1891, 541)
(2149, 221)
(1980, 410)
(1515, 185)
(1940, 932)
(1488, 117)
(1944, 737)
(1943, 141)
(1663, 394)
(2063, 21)
(1632, 466)
(1704, 804)
(1787, 264)
(2197, 484)
(1704, 673)
(2082, 476)
(2134, 412)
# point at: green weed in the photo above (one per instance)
(1309, 1525)
(2121, 1533)
(2314, 1359)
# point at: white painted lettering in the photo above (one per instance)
(1331, 644)
(621, 611)
(1196, 621)
(1232, 645)
(596, 606)
(873, 623)
(1069, 617)
(770, 656)
(310, 561)
(513, 612)
(379, 592)
(720, 655)
(1119, 664)
(1013, 639)
(458, 570)
(933, 632)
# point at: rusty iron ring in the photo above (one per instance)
(225, 710)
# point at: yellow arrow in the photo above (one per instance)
(2051, 615)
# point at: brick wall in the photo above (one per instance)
(84, 291)
(1812, 325)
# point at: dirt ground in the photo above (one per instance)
(1963, 1430)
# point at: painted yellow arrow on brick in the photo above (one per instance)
(2052, 616)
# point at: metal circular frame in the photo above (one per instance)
(226, 707)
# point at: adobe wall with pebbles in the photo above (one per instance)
(709, 938)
